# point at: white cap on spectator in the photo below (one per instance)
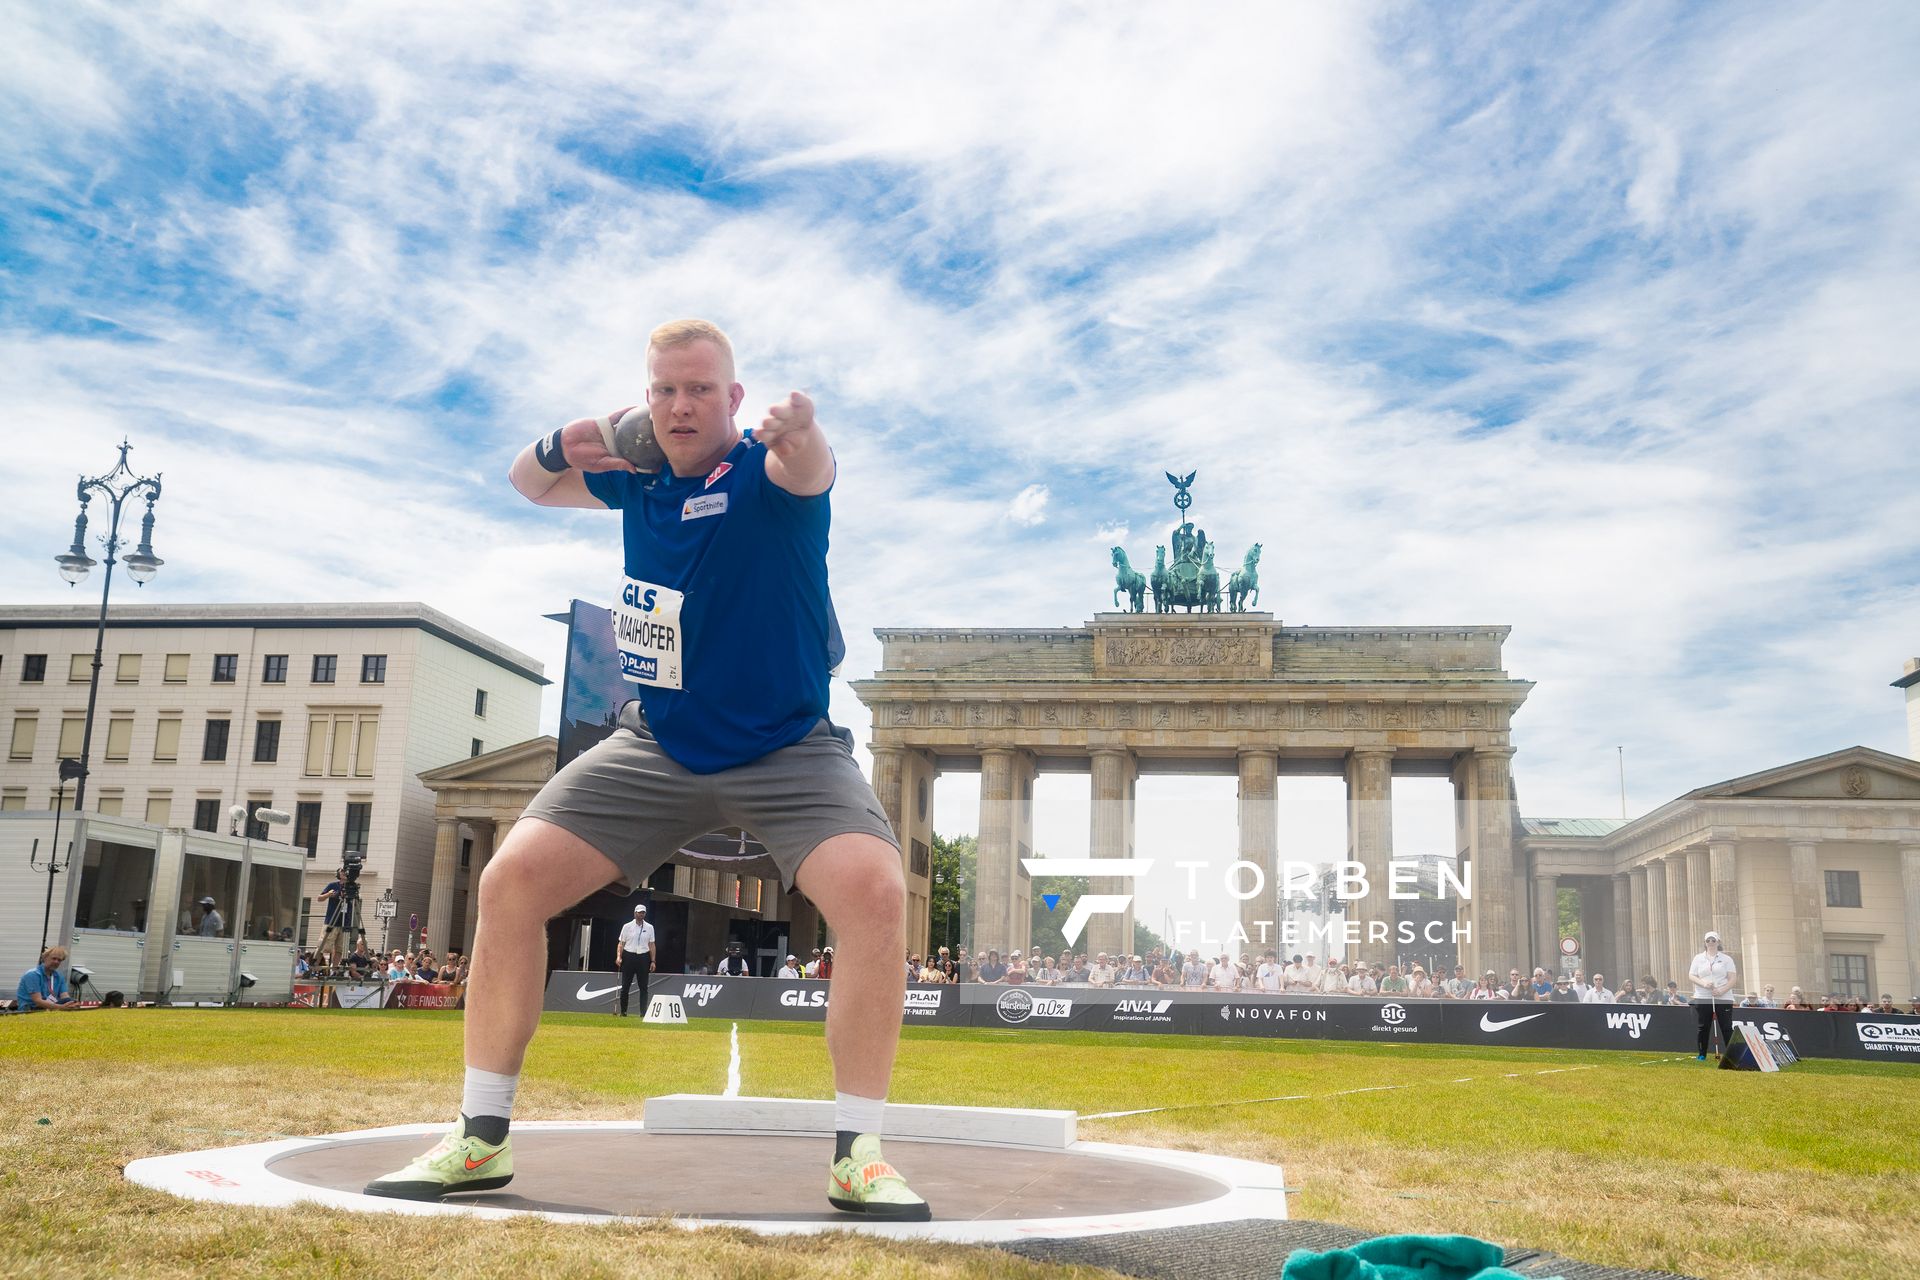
(1711, 937)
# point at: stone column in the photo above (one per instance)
(1622, 958)
(706, 884)
(1910, 883)
(729, 889)
(1680, 947)
(1699, 898)
(1260, 845)
(1370, 843)
(485, 840)
(993, 892)
(1723, 860)
(1546, 924)
(1495, 917)
(771, 904)
(889, 764)
(1112, 838)
(1659, 948)
(446, 869)
(1639, 957)
(1809, 931)
(804, 936)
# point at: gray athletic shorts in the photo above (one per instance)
(633, 802)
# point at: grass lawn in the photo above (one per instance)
(1629, 1159)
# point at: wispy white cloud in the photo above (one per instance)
(1029, 506)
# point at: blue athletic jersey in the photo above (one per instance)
(757, 623)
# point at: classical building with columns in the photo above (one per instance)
(1809, 872)
(1203, 693)
(696, 903)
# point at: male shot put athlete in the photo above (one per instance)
(728, 632)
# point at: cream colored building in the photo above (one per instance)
(1810, 873)
(329, 712)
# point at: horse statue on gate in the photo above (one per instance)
(1209, 582)
(1243, 587)
(1129, 580)
(1160, 581)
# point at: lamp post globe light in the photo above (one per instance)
(116, 486)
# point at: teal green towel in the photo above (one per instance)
(1403, 1258)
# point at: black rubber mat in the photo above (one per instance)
(1256, 1250)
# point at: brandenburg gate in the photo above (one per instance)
(1199, 693)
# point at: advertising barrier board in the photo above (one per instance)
(1520, 1024)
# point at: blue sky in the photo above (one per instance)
(1595, 320)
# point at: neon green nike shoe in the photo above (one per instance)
(865, 1183)
(457, 1163)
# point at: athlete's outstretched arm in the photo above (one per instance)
(801, 462)
(582, 445)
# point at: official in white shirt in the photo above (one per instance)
(1597, 992)
(635, 953)
(1712, 973)
(791, 969)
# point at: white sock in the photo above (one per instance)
(853, 1114)
(488, 1094)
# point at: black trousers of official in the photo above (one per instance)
(634, 966)
(1707, 1011)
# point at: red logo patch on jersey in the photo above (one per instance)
(718, 471)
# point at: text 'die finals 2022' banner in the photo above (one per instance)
(1511, 1023)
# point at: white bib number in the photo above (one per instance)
(646, 626)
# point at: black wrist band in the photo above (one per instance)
(548, 452)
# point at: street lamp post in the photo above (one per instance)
(141, 566)
(116, 486)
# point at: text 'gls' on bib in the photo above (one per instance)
(646, 626)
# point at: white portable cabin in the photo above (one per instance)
(130, 915)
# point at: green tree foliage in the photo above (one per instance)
(950, 906)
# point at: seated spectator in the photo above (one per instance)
(1628, 994)
(1672, 995)
(1314, 975)
(1459, 986)
(1393, 984)
(1102, 974)
(1360, 981)
(1081, 973)
(1135, 974)
(1597, 992)
(1293, 975)
(1579, 985)
(1423, 986)
(1333, 979)
(991, 969)
(1764, 1000)
(1886, 1005)
(1481, 990)
(930, 974)
(1165, 974)
(303, 966)
(1193, 974)
(1563, 991)
(944, 963)
(967, 966)
(397, 967)
(44, 987)
(1539, 987)
(1017, 971)
(791, 969)
(1796, 999)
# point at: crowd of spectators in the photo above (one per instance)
(362, 965)
(1304, 975)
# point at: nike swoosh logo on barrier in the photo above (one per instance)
(473, 1164)
(1488, 1024)
(587, 993)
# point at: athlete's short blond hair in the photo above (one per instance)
(678, 333)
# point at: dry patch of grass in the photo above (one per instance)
(1627, 1160)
